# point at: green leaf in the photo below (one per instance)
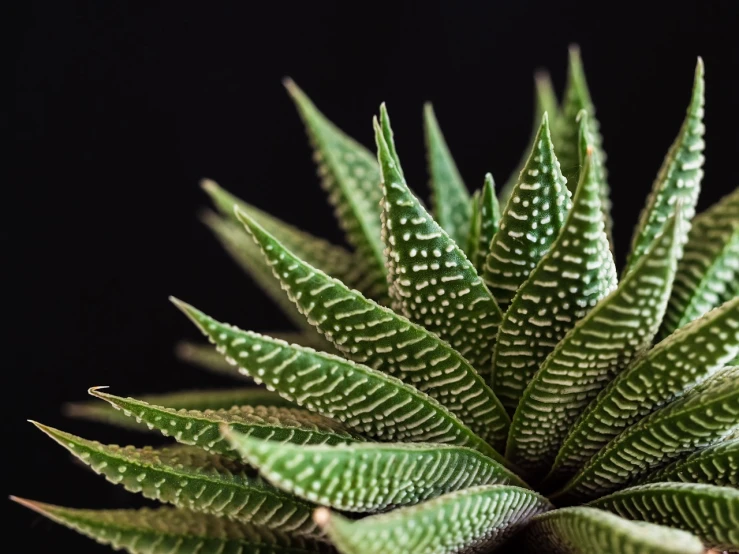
(566, 284)
(450, 198)
(351, 177)
(196, 428)
(679, 178)
(383, 340)
(473, 237)
(370, 477)
(715, 465)
(489, 222)
(194, 479)
(382, 406)
(708, 272)
(218, 399)
(531, 221)
(567, 135)
(599, 346)
(173, 530)
(480, 518)
(699, 419)
(677, 363)
(545, 101)
(710, 512)
(431, 280)
(584, 530)
(203, 356)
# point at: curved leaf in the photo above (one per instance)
(699, 419)
(370, 477)
(531, 221)
(677, 363)
(679, 178)
(174, 530)
(584, 530)
(565, 285)
(431, 280)
(710, 512)
(383, 340)
(200, 429)
(381, 406)
(351, 176)
(601, 344)
(708, 272)
(194, 479)
(715, 465)
(545, 101)
(218, 399)
(479, 517)
(450, 198)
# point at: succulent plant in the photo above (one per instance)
(459, 382)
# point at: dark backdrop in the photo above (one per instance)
(121, 107)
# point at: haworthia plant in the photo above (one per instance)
(390, 398)
(479, 517)
(531, 221)
(451, 200)
(591, 354)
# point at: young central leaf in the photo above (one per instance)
(383, 340)
(372, 477)
(678, 178)
(431, 280)
(450, 197)
(531, 221)
(565, 285)
(601, 344)
(489, 218)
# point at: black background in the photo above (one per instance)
(121, 107)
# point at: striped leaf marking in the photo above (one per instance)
(201, 429)
(174, 530)
(479, 518)
(599, 346)
(531, 221)
(364, 400)
(576, 273)
(383, 340)
(432, 282)
(716, 465)
(708, 511)
(699, 419)
(676, 364)
(370, 477)
(194, 479)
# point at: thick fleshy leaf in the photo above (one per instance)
(700, 418)
(531, 221)
(566, 284)
(175, 531)
(480, 518)
(677, 363)
(351, 177)
(715, 465)
(194, 479)
(708, 273)
(678, 179)
(545, 101)
(599, 346)
(450, 198)
(707, 511)
(196, 428)
(431, 280)
(489, 222)
(567, 133)
(381, 406)
(379, 338)
(473, 237)
(216, 399)
(370, 477)
(584, 530)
